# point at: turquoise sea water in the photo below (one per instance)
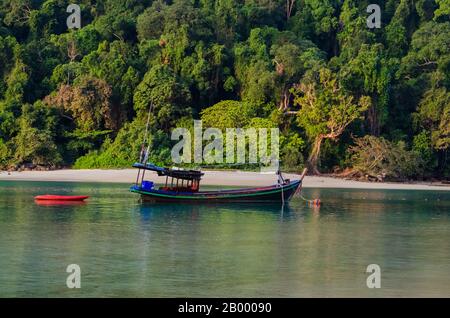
(128, 249)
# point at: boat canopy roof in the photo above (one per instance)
(174, 173)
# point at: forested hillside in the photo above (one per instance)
(347, 98)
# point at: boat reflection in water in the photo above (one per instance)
(153, 211)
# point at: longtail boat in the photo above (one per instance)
(184, 186)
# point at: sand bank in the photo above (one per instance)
(227, 178)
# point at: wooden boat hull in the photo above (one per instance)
(270, 194)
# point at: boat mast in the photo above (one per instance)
(143, 158)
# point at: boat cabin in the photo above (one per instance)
(177, 180)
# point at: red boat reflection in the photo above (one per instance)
(59, 203)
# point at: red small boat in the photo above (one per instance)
(49, 197)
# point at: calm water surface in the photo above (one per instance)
(129, 249)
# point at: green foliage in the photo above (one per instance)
(292, 147)
(16, 82)
(319, 16)
(325, 111)
(150, 24)
(397, 38)
(370, 74)
(423, 147)
(7, 45)
(5, 155)
(228, 114)
(34, 142)
(36, 147)
(169, 96)
(88, 102)
(443, 12)
(381, 159)
(325, 108)
(434, 116)
(354, 32)
(123, 151)
(430, 52)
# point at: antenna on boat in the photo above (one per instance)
(281, 183)
(281, 180)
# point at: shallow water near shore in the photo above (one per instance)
(128, 249)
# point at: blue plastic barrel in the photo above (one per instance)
(147, 185)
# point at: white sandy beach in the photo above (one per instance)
(216, 178)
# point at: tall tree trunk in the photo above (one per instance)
(289, 7)
(373, 118)
(285, 100)
(314, 156)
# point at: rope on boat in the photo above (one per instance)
(311, 203)
(281, 184)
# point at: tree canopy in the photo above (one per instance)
(313, 68)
